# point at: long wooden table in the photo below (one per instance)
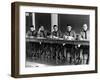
(59, 41)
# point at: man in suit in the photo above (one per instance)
(84, 50)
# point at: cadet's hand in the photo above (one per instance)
(65, 37)
(55, 37)
(31, 37)
(70, 38)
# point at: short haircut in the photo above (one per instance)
(55, 26)
(68, 25)
(31, 26)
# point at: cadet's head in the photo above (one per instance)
(41, 28)
(85, 27)
(69, 28)
(32, 28)
(55, 27)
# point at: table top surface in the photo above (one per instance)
(58, 41)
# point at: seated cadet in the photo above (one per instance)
(30, 46)
(41, 32)
(32, 32)
(85, 32)
(56, 33)
(70, 48)
(70, 34)
(84, 50)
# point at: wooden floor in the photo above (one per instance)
(32, 63)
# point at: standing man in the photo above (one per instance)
(84, 49)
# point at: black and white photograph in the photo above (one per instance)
(51, 39)
(57, 39)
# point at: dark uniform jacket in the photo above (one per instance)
(85, 35)
(32, 33)
(42, 34)
(71, 33)
(57, 34)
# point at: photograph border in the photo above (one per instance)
(15, 38)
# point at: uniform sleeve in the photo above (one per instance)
(48, 33)
(74, 34)
(35, 33)
(28, 33)
(60, 34)
(45, 33)
(66, 34)
(88, 35)
(81, 35)
(52, 33)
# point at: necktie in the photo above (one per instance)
(31, 33)
(69, 33)
(85, 35)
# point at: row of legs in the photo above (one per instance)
(57, 53)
